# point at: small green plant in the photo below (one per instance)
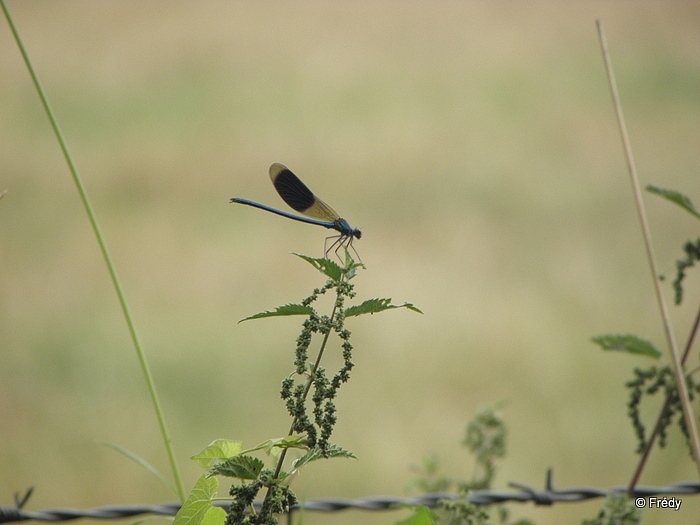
(619, 509)
(691, 249)
(308, 393)
(651, 381)
(485, 438)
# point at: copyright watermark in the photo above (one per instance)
(658, 503)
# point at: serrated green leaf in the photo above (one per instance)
(287, 309)
(334, 451)
(411, 307)
(627, 343)
(218, 451)
(373, 306)
(327, 267)
(676, 197)
(241, 467)
(198, 502)
(330, 268)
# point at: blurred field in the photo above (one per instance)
(473, 143)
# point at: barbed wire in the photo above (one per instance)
(548, 496)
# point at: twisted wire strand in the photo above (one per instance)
(548, 496)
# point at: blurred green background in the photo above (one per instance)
(475, 145)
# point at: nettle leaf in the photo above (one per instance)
(198, 503)
(373, 306)
(327, 267)
(334, 451)
(676, 197)
(241, 467)
(332, 269)
(627, 343)
(217, 451)
(287, 309)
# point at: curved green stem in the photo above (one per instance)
(108, 261)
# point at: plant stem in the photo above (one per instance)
(105, 253)
(676, 362)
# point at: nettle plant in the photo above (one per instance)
(648, 382)
(308, 394)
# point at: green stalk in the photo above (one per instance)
(108, 261)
